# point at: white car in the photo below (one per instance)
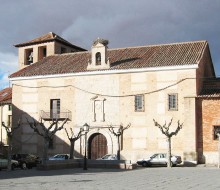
(108, 157)
(4, 163)
(159, 159)
(60, 157)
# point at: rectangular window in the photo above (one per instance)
(28, 56)
(9, 107)
(9, 120)
(216, 131)
(139, 103)
(55, 108)
(173, 102)
(42, 52)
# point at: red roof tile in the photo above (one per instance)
(5, 95)
(48, 38)
(177, 54)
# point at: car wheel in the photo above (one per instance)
(171, 164)
(24, 166)
(144, 164)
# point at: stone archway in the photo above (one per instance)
(97, 146)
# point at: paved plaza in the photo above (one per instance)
(140, 178)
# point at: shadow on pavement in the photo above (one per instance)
(19, 173)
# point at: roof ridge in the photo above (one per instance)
(158, 45)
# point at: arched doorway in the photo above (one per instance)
(97, 146)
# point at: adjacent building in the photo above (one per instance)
(5, 113)
(111, 88)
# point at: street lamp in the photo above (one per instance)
(86, 130)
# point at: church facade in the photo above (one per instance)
(125, 87)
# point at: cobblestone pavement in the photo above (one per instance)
(141, 178)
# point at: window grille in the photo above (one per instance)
(173, 102)
(139, 103)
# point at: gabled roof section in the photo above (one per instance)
(5, 96)
(155, 56)
(49, 37)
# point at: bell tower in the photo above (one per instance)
(99, 58)
(49, 44)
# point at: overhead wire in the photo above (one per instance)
(106, 95)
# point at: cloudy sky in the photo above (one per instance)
(123, 22)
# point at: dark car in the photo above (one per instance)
(60, 157)
(26, 160)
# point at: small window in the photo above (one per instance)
(42, 52)
(216, 131)
(9, 120)
(172, 102)
(98, 58)
(139, 103)
(28, 56)
(55, 108)
(9, 107)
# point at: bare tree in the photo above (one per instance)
(10, 131)
(46, 133)
(165, 130)
(118, 134)
(73, 138)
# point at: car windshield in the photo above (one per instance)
(105, 157)
(59, 156)
(155, 155)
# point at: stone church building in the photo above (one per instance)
(106, 87)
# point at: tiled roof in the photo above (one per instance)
(5, 96)
(47, 38)
(177, 54)
(211, 88)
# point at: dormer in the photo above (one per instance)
(43, 46)
(99, 58)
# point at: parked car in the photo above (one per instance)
(60, 157)
(159, 159)
(108, 157)
(4, 162)
(26, 160)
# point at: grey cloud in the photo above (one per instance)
(124, 23)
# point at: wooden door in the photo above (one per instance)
(97, 146)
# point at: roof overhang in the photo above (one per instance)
(105, 72)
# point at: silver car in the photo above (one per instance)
(108, 157)
(159, 159)
(4, 162)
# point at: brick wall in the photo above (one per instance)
(208, 110)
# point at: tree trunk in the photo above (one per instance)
(46, 144)
(169, 152)
(118, 152)
(9, 152)
(72, 144)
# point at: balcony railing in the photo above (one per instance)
(50, 115)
